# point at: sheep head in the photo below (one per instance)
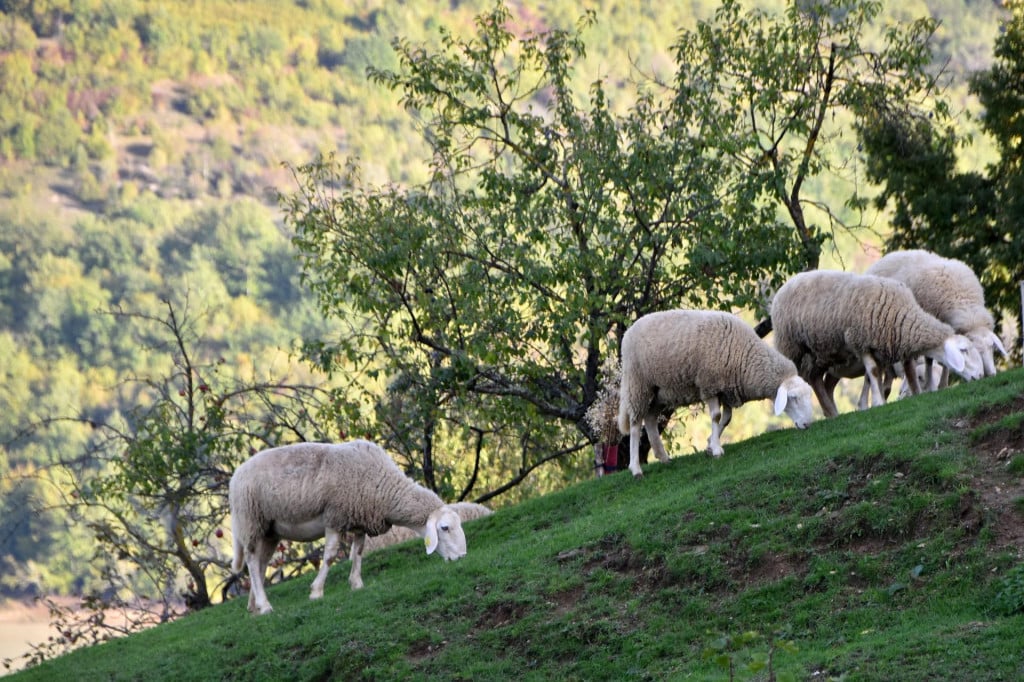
(794, 398)
(443, 533)
(960, 356)
(987, 342)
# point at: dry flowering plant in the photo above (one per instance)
(603, 414)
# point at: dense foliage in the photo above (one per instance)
(489, 297)
(141, 145)
(972, 215)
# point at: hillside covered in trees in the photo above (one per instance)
(145, 262)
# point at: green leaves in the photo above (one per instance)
(558, 213)
(743, 652)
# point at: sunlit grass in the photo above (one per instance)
(856, 549)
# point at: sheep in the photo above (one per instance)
(828, 321)
(467, 511)
(948, 289)
(306, 491)
(675, 358)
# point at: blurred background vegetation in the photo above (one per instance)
(143, 147)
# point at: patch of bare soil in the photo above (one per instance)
(613, 553)
(774, 567)
(500, 614)
(424, 649)
(997, 487)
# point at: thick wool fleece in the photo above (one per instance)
(945, 287)
(821, 318)
(356, 485)
(675, 358)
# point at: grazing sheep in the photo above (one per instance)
(308, 491)
(467, 511)
(827, 321)
(948, 289)
(681, 357)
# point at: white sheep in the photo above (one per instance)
(308, 491)
(681, 357)
(948, 289)
(828, 321)
(467, 511)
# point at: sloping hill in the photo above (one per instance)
(880, 545)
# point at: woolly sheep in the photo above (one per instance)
(467, 511)
(307, 491)
(825, 320)
(681, 357)
(948, 289)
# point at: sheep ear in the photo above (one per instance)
(998, 344)
(430, 535)
(954, 356)
(781, 396)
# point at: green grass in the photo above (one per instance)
(881, 545)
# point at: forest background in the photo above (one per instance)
(145, 260)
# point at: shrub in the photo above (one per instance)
(1010, 598)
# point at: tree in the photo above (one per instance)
(486, 299)
(151, 485)
(968, 215)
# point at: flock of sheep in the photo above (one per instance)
(910, 310)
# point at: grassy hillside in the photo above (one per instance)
(882, 545)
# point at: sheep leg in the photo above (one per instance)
(257, 561)
(871, 372)
(910, 375)
(865, 395)
(651, 426)
(634, 449)
(828, 405)
(355, 575)
(888, 376)
(331, 547)
(944, 379)
(929, 376)
(720, 418)
(829, 383)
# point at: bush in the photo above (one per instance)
(1010, 598)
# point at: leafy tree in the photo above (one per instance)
(969, 215)
(151, 484)
(487, 298)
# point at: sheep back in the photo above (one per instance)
(355, 486)
(680, 357)
(944, 287)
(821, 317)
